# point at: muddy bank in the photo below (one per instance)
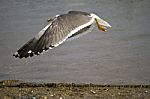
(23, 90)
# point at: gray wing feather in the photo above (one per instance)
(53, 35)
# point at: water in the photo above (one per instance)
(120, 56)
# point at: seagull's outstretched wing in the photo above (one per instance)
(55, 33)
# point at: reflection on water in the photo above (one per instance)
(120, 56)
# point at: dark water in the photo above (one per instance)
(120, 56)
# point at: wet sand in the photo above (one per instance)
(16, 89)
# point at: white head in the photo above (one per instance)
(101, 24)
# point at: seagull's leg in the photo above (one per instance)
(49, 19)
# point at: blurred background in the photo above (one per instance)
(120, 56)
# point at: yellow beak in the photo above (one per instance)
(101, 24)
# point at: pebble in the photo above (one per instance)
(33, 98)
(44, 97)
(60, 97)
(146, 91)
(93, 92)
(119, 93)
(51, 95)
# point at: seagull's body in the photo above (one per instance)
(59, 29)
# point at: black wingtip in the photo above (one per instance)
(29, 53)
(17, 55)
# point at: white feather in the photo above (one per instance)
(76, 30)
(101, 21)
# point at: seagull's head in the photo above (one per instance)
(101, 24)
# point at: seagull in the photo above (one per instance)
(59, 29)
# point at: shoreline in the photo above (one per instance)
(18, 89)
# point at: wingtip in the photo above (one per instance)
(30, 53)
(16, 54)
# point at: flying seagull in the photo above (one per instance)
(59, 29)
